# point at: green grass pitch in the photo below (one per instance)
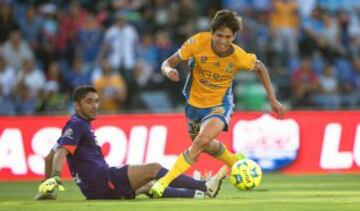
(277, 192)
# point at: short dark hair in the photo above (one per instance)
(226, 18)
(80, 92)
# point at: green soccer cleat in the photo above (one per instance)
(157, 190)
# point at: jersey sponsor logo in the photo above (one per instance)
(68, 133)
(207, 74)
(272, 143)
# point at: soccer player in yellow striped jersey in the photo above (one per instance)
(214, 60)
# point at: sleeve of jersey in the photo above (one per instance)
(247, 61)
(188, 48)
(71, 136)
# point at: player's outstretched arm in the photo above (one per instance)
(263, 74)
(168, 67)
(48, 170)
(48, 163)
(54, 181)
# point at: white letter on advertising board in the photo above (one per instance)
(137, 143)
(43, 140)
(330, 157)
(12, 153)
(156, 147)
(117, 141)
(357, 146)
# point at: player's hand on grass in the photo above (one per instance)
(173, 75)
(45, 196)
(51, 184)
(278, 108)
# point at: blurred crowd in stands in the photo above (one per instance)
(311, 47)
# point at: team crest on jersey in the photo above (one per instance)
(229, 68)
(203, 59)
(68, 133)
(190, 41)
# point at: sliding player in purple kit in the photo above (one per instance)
(92, 174)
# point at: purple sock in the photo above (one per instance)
(178, 193)
(183, 181)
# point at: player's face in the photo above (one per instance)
(88, 106)
(222, 39)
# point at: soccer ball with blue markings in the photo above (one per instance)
(245, 174)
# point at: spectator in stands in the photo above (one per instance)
(111, 88)
(328, 96)
(186, 16)
(49, 35)
(24, 102)
(16, 51)
(350, 85)
(305, 7)
(89, 40)
(30, 27)
(354, 32)
(284, 26)
(161, 14)
(77, 74)
(331, 33)
(164, 46)
(32, 77)
(70, 23)
(7, 22)
(343, 20)
(148, 96)
(119, 46)
(148, 52)
(312, 30)
(304, 84)
(7, 85)
(7, 78)
(53, 99)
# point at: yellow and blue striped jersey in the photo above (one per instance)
(210, 82)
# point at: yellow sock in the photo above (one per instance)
(181, 165)
(227, 157)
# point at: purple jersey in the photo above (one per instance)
(86, 161)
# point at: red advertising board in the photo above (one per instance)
(305, 142)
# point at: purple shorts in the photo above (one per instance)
(119, 183)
